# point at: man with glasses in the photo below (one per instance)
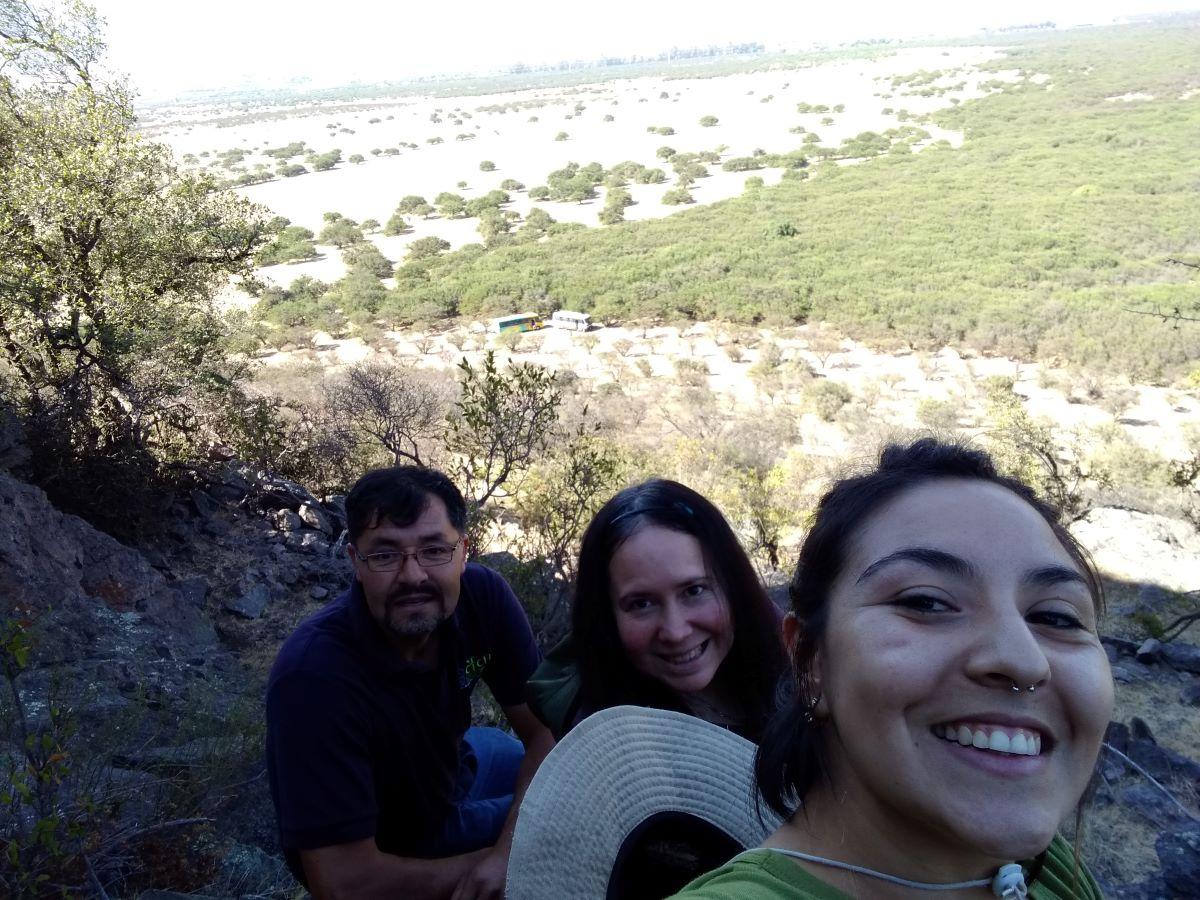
(381, 786)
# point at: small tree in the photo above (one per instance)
(501, 423)
(677, 195)
(426, 247)
(399, 410)
(487, 166)
(409, 204)
(708, 121)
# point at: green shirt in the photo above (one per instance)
(764, 875)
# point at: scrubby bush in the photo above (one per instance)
(676, 196)
(423, 248)
(826, 398)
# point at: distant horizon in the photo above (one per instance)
(270, 46)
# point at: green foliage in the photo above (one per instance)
(677, 195)
(397, 224)
(341, 233)
(540, 192)
(410, 204)
(450, 206)
(560, 495)
(291, 242)
(503, 421)
(110, 259)
(561, 136)
(826, 398)
(292, 170)
(743, 164)
(322, 162)
(537, 222)
(287, 151)
(611, 215)
(708, 121)
(511, 184)
(365, 255)
(487, 166)
(1026, 449)
(1149, 622)
(423, 248)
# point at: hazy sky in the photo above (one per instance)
(170, 46)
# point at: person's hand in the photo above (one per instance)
(486, 880)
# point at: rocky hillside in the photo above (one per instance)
(144, 669)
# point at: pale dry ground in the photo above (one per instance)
(527, 151)
(888, 391)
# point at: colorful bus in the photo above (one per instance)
(516, 322)
(571, 321)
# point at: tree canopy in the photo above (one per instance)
(110, 258)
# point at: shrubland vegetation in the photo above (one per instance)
(1034, 239)
(1044, 236)
(111, 350)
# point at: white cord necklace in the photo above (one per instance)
(1008, 884)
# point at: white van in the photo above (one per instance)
(571, 321)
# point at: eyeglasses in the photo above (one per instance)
(426, 557)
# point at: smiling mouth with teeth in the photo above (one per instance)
(692, 655)
(1013, 741)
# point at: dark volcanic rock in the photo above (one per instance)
(249, 601)
(1179, 856)
(1184, 657)
(1149, 651)
(77, 582)
(1153, 805)
(1190, 694)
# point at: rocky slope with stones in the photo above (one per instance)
(182, 630)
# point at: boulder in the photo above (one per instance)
(313, 517)
(1179, 856)
(205, 506)
(248, 601)
(1149, 651)
(1161, 763)
(80, 584)
(1190, 695)
(270, 492)
(1184, 657)
(1116, 647)
(1153, 805)
(193, 590)
(1142, 548)
(287, 521)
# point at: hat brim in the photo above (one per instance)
(613, 771)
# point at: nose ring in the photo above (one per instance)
(1017, 689)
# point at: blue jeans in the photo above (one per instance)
(484, 794)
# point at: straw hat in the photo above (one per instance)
(621, 774)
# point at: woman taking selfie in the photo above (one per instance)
(951, 694)
(668, 613)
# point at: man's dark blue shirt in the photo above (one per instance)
(361, 744)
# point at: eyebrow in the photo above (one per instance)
(422, 541)
(925, 556)
(1044, 576)
(1049, 576)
